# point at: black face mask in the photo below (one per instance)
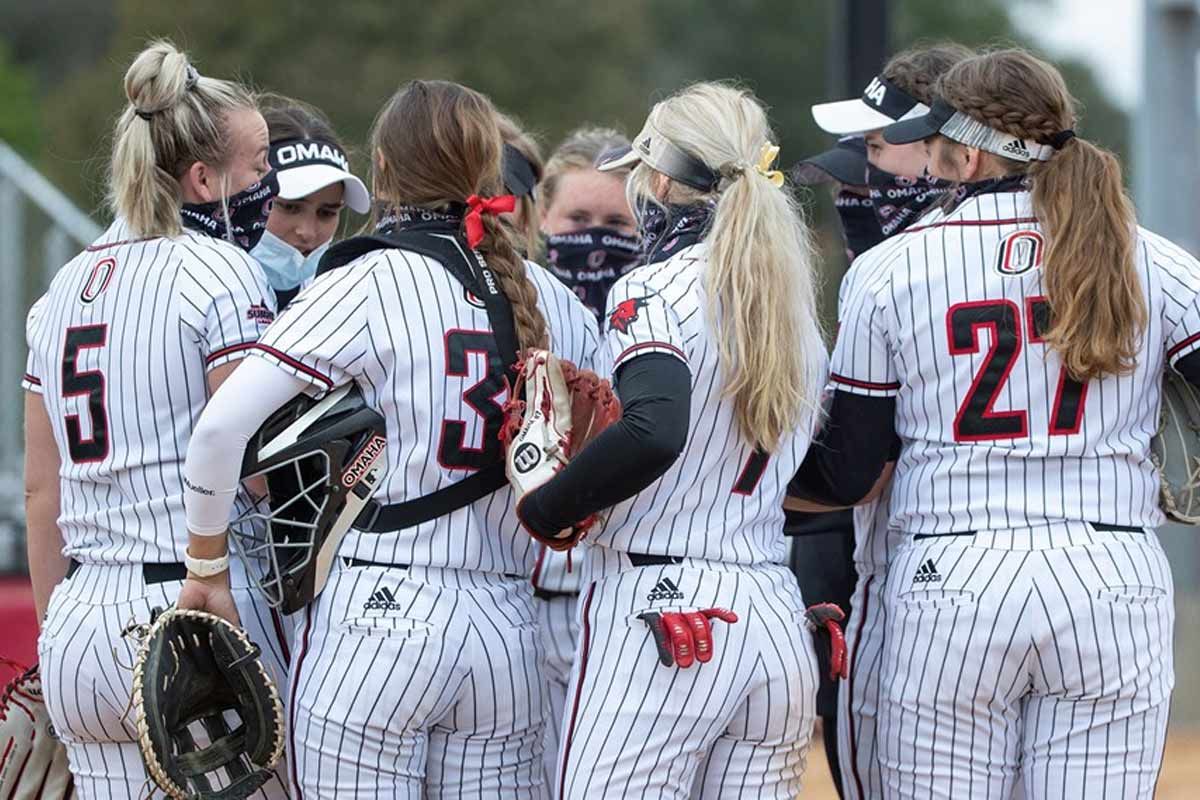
(590, 261)
(247, 214)
(667, 230)
(860, 226)
(900, 201)
(404, 218)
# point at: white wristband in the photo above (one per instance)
(205, 567)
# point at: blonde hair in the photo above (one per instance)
(174, 119)
(759, 279)
(439, 143)
(1098, 312)
(580, 150)
(523, 142)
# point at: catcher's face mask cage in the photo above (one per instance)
(322, 460)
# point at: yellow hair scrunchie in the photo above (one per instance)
(766, 158)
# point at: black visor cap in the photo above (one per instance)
(920, 128)
(845, 162)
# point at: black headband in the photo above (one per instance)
(520, 176)
(888, 98)
(291, 153)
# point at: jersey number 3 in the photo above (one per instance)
(90, 384)
(976, 420)
(453, 451)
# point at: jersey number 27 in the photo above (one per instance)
(976, 419)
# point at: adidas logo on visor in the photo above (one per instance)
(382, 600)
(665, 589)
(927, 573)
(1017, 148)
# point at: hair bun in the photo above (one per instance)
(159, 78)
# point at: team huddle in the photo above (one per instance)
(364, 455)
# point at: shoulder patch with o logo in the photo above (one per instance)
(1020, 252)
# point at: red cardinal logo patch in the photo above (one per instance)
(625, 314)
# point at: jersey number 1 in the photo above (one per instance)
(89, 383)
(976, 420)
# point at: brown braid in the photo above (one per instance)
(917, 69)
(498, 250)
(437, 143)
(1098, 310)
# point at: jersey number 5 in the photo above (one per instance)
(976, 419)
(89, 383)
(453, 451)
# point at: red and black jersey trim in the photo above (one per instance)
(95, 248)
(879, 387)
(271, 351)
(32, 379)
(1183, 345)
(958, 223)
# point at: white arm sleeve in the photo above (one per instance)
(212, 472)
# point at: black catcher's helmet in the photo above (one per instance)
(322, 460)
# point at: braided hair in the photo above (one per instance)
(917, 69)
(1098, 312)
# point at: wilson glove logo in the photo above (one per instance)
(527, 457)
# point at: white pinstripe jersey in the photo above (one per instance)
(119, 349)
(400, 326)
(720, 500)
(949, 318)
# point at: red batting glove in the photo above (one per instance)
(683, 637)
(829, 616)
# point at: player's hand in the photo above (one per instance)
(209, 594)
(828, 617)
(683, 637)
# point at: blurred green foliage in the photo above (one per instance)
(20, 125)
(554, 64)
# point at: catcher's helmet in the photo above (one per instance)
(322, 461)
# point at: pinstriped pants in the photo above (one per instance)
(560, 632)
(417, 683)
(737, 726)
(858, 695)
(87, 674)
(1043, 654)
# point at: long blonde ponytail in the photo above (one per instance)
(760, 276)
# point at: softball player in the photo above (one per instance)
(315, 184)
(124, 349)
(898, 194)
(417, 670)
(1016, 345)
(588, 227)
(719, 363)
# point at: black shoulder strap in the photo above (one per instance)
(469, 269)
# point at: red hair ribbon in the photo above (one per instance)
(478, 206)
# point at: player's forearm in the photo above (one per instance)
(846, 463)
(655, 391)
(44, 542)
(44, 546)
(212, 469)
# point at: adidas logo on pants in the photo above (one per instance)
(927, 573)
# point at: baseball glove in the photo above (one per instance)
(34, 764)
(192, 670)
(1175, 450)
(553, 412)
